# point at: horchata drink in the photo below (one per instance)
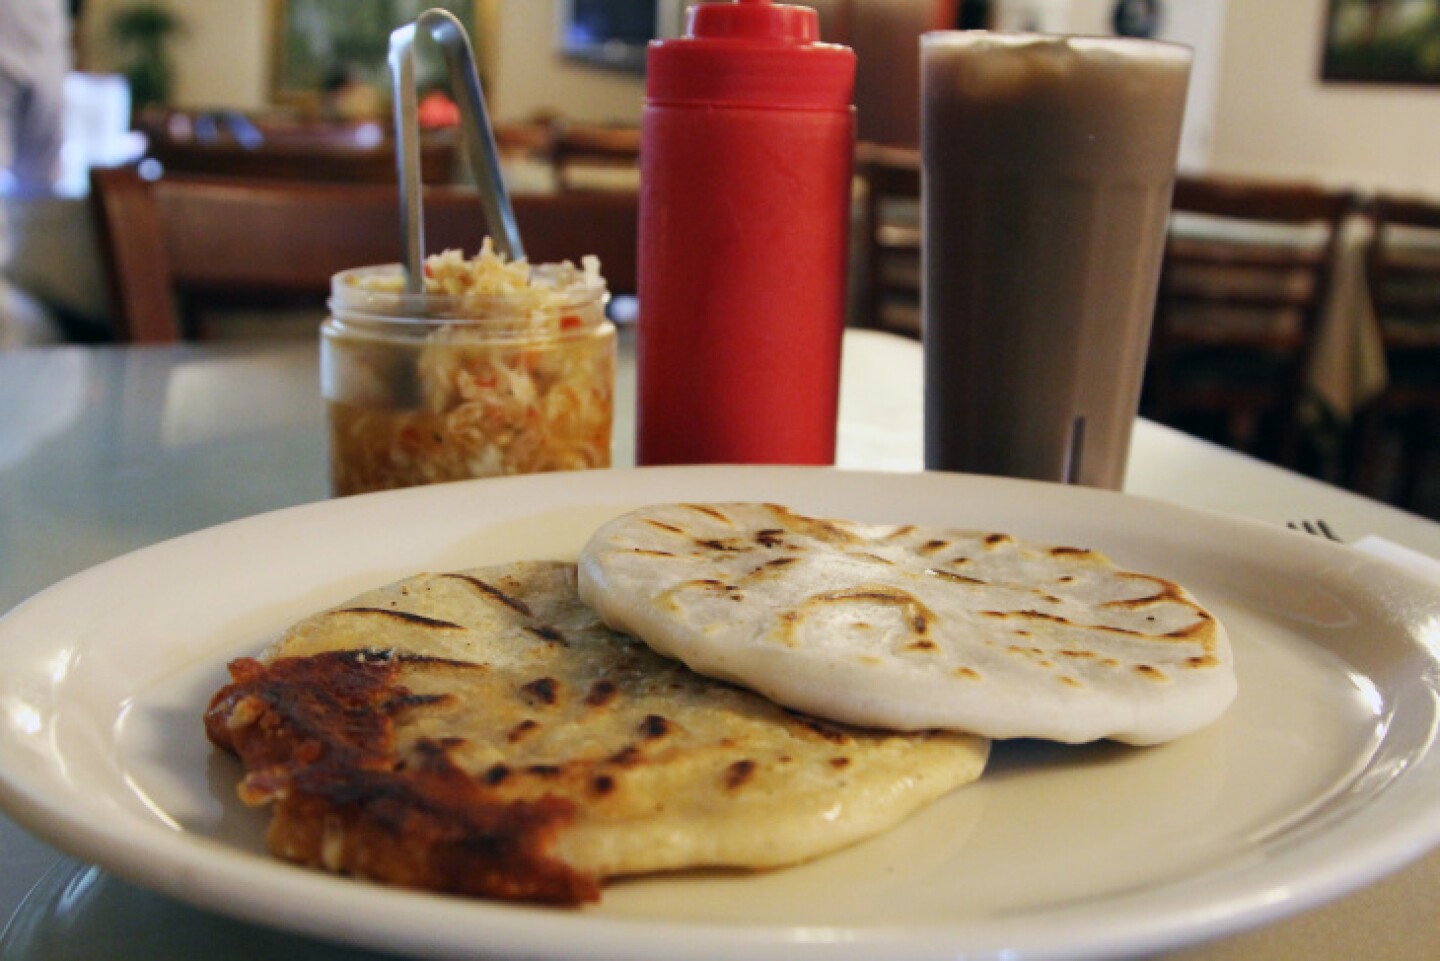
(1048, 165)
(499, 367)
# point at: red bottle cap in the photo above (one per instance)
(751, 53)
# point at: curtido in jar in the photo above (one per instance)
(498, 367)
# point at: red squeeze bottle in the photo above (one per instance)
(746, 155)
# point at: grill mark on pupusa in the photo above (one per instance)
(738, 773)
(710, 585)
(727, 545)
(655, 727)
(918, 617)
(711, 513)
(494, 593)
(1164, 591)
(1057, 619)
(822, 530)
(819, 728)
(547, 633)
(522, 730)
(602, 692)
(543, 690)
(628, 756)
(954, 578)
(418, 620)
(771, 568)
(1190, 630)
(407, 702)
(372, 655)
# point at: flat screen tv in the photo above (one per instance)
(608, 33)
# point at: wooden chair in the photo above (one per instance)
(1240, 296)
(204, 243)
(589, 157)
(1402, 263)
(889, 281)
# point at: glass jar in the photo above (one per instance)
(421, 389)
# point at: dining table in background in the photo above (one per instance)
(107, 450)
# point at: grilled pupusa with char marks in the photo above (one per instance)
(912, 627)
(482, 732)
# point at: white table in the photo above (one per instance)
(103, 451)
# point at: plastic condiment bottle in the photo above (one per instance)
(746, 161)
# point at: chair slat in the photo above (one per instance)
(223, 242)
(890, 272)
(1246, 265)
(1403, 269)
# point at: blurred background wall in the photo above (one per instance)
(1264, 109)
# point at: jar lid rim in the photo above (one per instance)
(349, 294)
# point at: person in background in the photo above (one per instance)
(34, 59)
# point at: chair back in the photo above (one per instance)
(1402, 266)
(204, 242)
(1245, 280)
(1402, 263)
(1262, 247)
(890, 278)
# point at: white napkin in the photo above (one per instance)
(1416, 563)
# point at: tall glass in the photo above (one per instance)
(1048, 164)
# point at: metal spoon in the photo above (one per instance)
(449, 34)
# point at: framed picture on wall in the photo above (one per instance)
(1382, 41)
(324, 49)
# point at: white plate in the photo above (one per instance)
(1322, 777)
